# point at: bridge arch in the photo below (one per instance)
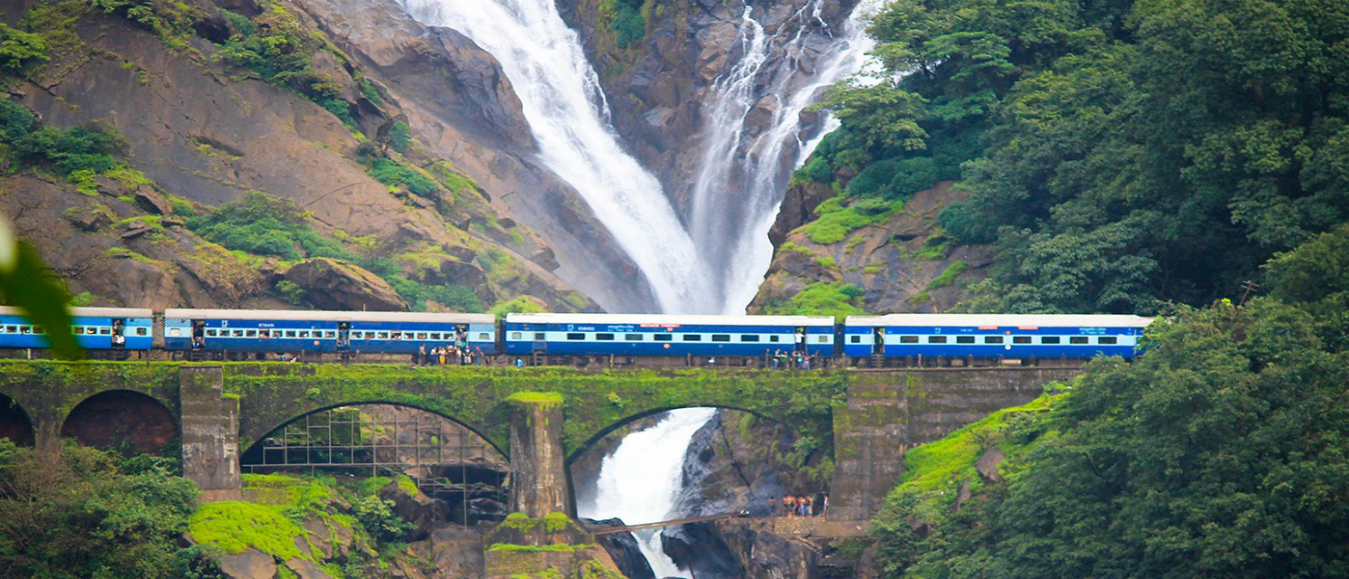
(266, 431)
(125, 420)
(15, 424)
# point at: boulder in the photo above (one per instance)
(338, 285)
(92, 217)
(987, 465)
(623, 549)
(250, 564)
(152, 202)
(422, 511)
(307, 569)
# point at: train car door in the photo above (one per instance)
(198, 334)
(878, 341)
(118, 334)
(343, 336)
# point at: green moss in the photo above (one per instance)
(826, 262)
(407, 485)
(948, 276)
(542, 399)
(236, 526)
(836, 221)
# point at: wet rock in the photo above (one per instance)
(337, 285)
(250, 564)
(700, 548)
(623, 549)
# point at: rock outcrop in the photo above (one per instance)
(330, 284)
(623, 549)
(904, 263)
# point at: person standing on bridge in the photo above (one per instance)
(787, 505)
(772, 506)
(824, 508)
(810, 506)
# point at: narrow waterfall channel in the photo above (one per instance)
(743, 174)
(569, 118)
(640, 481)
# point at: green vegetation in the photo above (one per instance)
(948, 275)
(1222, 452)
(537, 548)
(20, 51)
(277, 47)
(836, 220)
(265, 225)
(393, 174)
(87, 513)
(351, 512)
(399, 137)
(1120, 155)
(519, 305)
(822, 299)
(625, 20)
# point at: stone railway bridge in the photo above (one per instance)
(540, 418)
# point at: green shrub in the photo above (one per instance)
(836, 221)
(822, 299)
(20, 50)
(265, 225)
(89, 147)
(390, 173)
(15, 120)
(378, 518)
(340, 109)
(291, 292)
(371, 93)
(911, 176)
(818, 169)
(626, 21)
(399, 136)
(948, 276)
(874, 179)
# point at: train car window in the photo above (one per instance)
(358, 335)
(290, 333)
(992, 339)
(749, 338)
(79, 331)
(1050, 340)
(25, 329)
(236, 333)
(662, 337)
(303, 333)
(773, 338)
(210, 333)
(1108, 340)
(936, 339)
(964, 339)
(515, 335)
(435, 335)
(576, 336)
(382, 335)
(10, 329)
(1079, 340)
(721, 337)
(908, 339)
(330, 334)
(251, 333)
(484, 336)
(855, 339)
(1020, 339)
(634, 337)
(693, 337)
(421, 335)
(140, 331)
(604, 337)
(539, 336)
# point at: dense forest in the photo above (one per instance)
(1120, 154)
(1224, 452)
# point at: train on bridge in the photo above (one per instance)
(627, 338)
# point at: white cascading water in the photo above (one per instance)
(640, 481)
(569, 118)
(735, 203)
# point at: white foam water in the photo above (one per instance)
(569, 119)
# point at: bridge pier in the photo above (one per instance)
(539, 484)
(210, 430)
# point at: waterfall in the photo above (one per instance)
(568, 116)
(641, 480)
(740, 181)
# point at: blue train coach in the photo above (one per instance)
(324, 331)
(665, 335)
(994, 335)
(94, 329)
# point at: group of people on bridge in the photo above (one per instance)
(799, 506)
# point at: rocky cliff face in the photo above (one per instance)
(205, 129)
(902, 262)
(659, 87)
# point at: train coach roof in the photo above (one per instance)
(329, 316)
(92, 312)
(670, 320)
(1002, 320)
